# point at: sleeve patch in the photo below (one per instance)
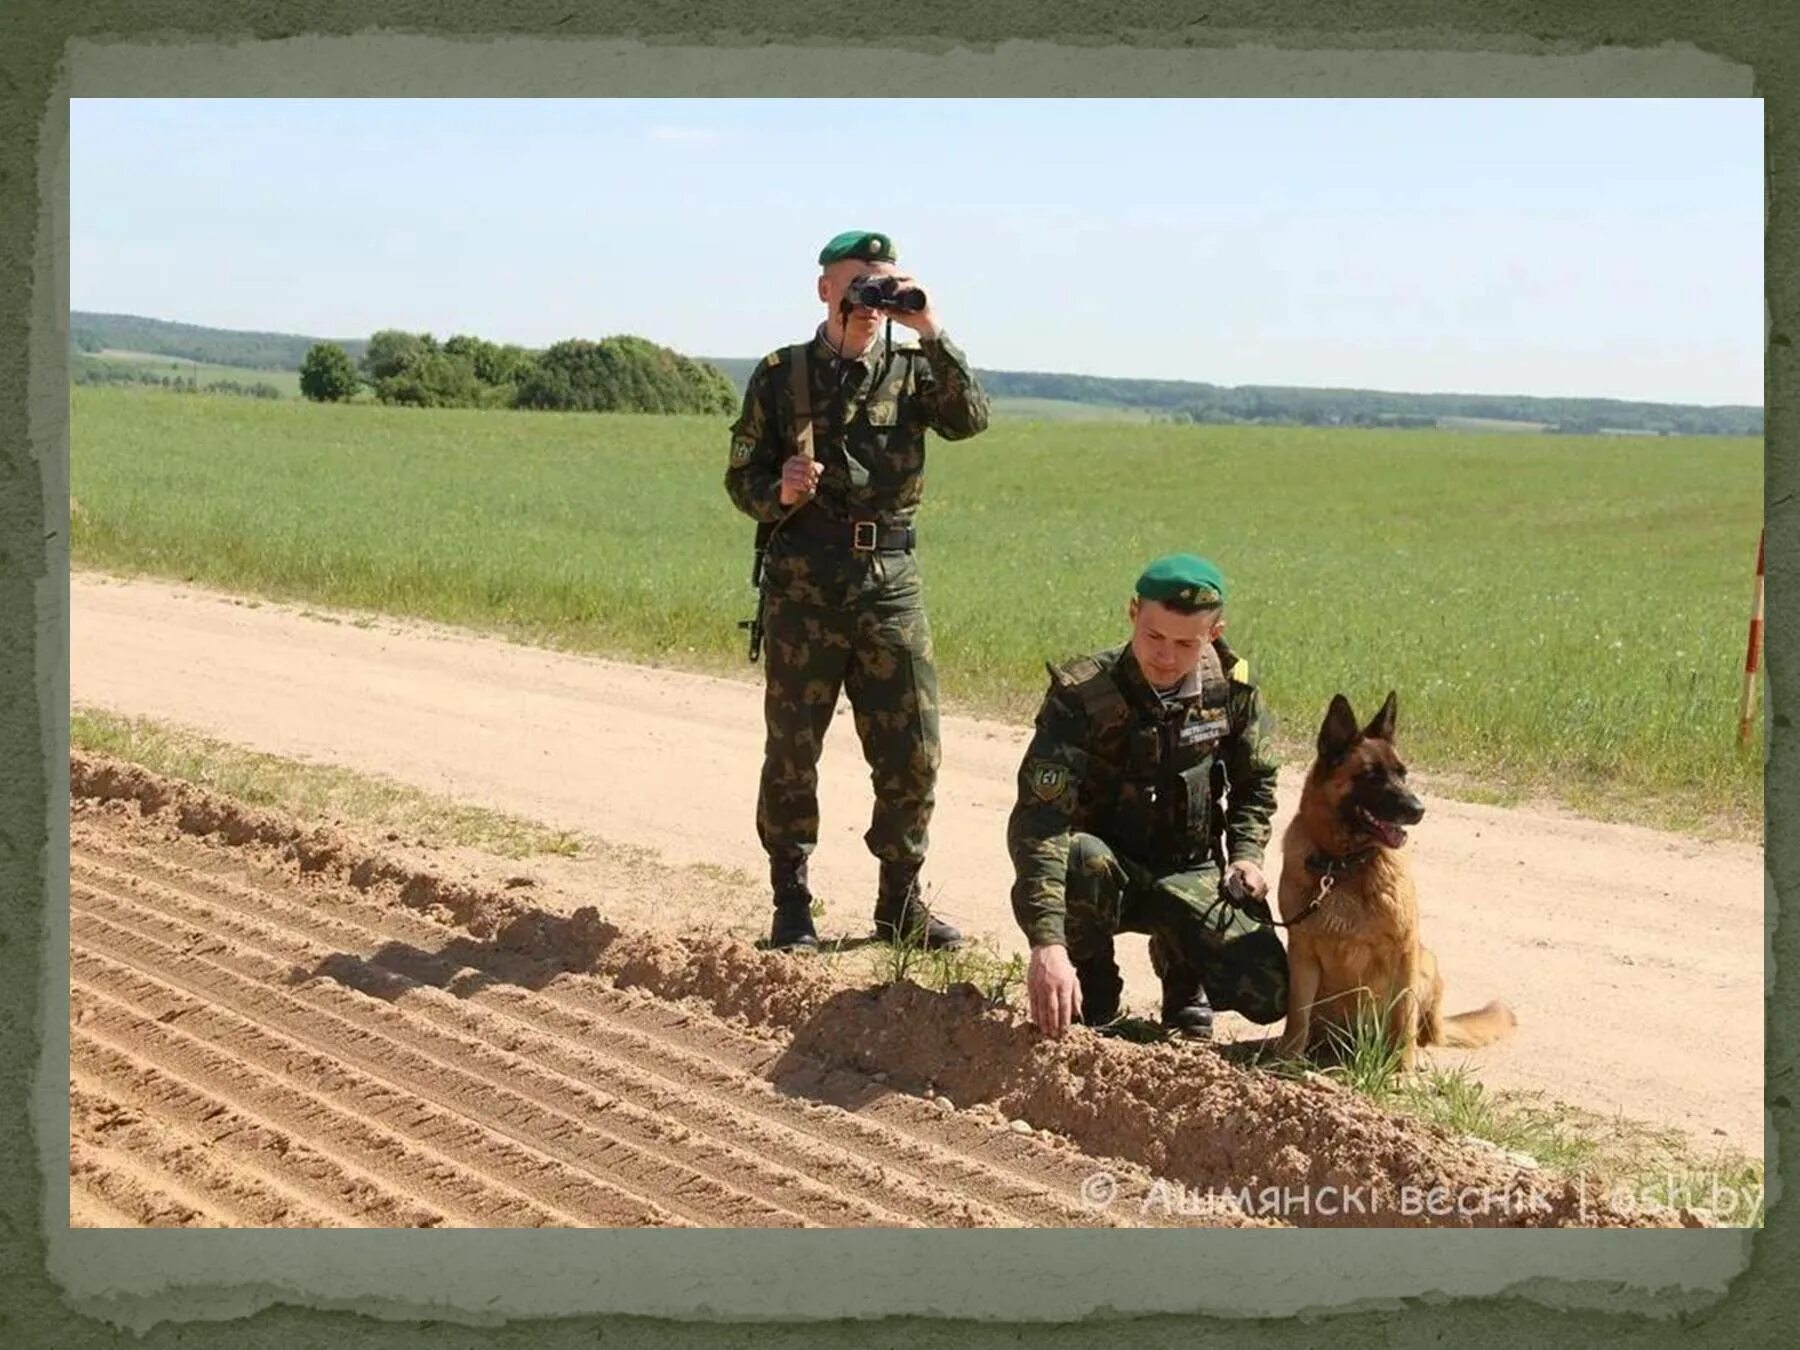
(740, 453)
(1047, 779)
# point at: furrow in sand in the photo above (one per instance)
(593, 1162)
(550, 1109)
(246, 1198)
(897, 1149)
(349, 1195)
(90, 1210)
(698, 1107)
(150, 1198)
(446, 1157)
(367, 1197)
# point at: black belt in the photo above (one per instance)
(859, 536)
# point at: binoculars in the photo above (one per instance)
(885, 293)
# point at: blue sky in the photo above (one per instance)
(1583, 247)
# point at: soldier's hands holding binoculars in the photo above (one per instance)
(921, 321)
(799, 479)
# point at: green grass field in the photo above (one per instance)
(1561, 616)
(1063, 410)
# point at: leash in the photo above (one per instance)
(1329, 869)
(1326, 882)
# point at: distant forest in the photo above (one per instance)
(213, 346)
(1282, 405)
(1170, 400)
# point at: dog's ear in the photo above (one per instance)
(1339, 732)
(1382, 728)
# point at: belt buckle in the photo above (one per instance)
(862, 536)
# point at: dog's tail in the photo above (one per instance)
(1481, 1026)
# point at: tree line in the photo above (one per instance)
(572, 376)
(615, 374)
(1185, 401)
(104, 372)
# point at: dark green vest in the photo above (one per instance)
(1152, 786)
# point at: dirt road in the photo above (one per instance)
(1633, 958)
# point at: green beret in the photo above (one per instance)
(866, 245)
(1183, 577)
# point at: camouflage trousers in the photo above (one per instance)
(856, 623)
(1193, 928)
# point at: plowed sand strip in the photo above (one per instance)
(159, 1088)
(88, 1210)
(1017, 1173)
(688, 1049)
(549, 1157)
(663, 1159)
(551, 1071)
(247, 1198)
(152, 1200)
(346, 1194)
(491, 1180)
(645, 1062)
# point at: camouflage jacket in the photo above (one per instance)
(870, 415)
(1112, 758)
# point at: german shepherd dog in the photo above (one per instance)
(1347, 897)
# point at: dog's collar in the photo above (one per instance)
(1326, 865)
(1328, 869)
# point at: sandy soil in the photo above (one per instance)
(1633, 958)
(272, 1024)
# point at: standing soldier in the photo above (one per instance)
(828, 457)
(1120, 827)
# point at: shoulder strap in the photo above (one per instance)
(800, 386)
(1093, 686)
(1237, 670)
(1215, 691)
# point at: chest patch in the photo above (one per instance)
(1209, 725)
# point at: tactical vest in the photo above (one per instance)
(881, 406)
(1153, 784)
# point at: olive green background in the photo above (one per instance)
(532, 1288)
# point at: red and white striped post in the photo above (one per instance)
(1753, 657)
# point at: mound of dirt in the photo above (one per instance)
(276, 1023)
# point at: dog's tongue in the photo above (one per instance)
(1391, 834)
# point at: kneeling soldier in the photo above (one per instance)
(1119, 819)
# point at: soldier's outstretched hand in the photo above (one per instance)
(1054, 991)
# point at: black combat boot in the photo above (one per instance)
(792, 929)
(1100, 990)
(900, 912)
(1185, 1009)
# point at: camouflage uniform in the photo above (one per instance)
(842, 617)
(1116, 828)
